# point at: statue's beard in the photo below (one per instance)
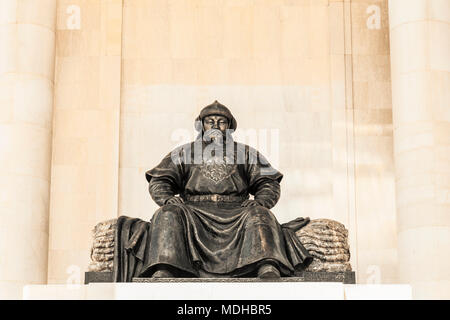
(214, 135)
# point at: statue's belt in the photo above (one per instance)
(215, 198)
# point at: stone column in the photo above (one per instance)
(27, 42)
(420, 65)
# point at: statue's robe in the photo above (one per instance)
(211, 237)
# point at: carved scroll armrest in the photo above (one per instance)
(327, 241)
(102, 251)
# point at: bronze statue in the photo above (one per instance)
(207, 225)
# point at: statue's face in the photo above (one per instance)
(215, 127)
(214, 123)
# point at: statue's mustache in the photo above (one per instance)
(213, 134)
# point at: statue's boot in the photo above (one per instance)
(268, 271)
(162, 274)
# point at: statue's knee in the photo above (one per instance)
(260, 215)
(167, 211)
(259, 210)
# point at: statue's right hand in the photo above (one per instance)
(174, 200)
(249, 203)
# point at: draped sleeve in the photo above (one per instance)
(166, 179)
(263, 179)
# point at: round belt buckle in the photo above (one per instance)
(214, 198)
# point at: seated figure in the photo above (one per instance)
(207, 225)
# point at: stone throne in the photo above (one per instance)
(326, 240)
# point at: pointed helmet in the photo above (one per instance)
(216, 108)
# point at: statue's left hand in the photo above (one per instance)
(250, 203)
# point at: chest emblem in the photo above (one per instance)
(217, 170)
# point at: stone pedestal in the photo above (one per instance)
(343, 277)
(97, 277)
(256, 290)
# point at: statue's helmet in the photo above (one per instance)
(216, 108)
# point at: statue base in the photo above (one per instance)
(347, 277)
(95, 277)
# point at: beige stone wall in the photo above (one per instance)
(27, 43)
(85, 131)
(279, 65)
(373, 143)
(260, 58)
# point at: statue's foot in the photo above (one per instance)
(162, 274)
(268, 271)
